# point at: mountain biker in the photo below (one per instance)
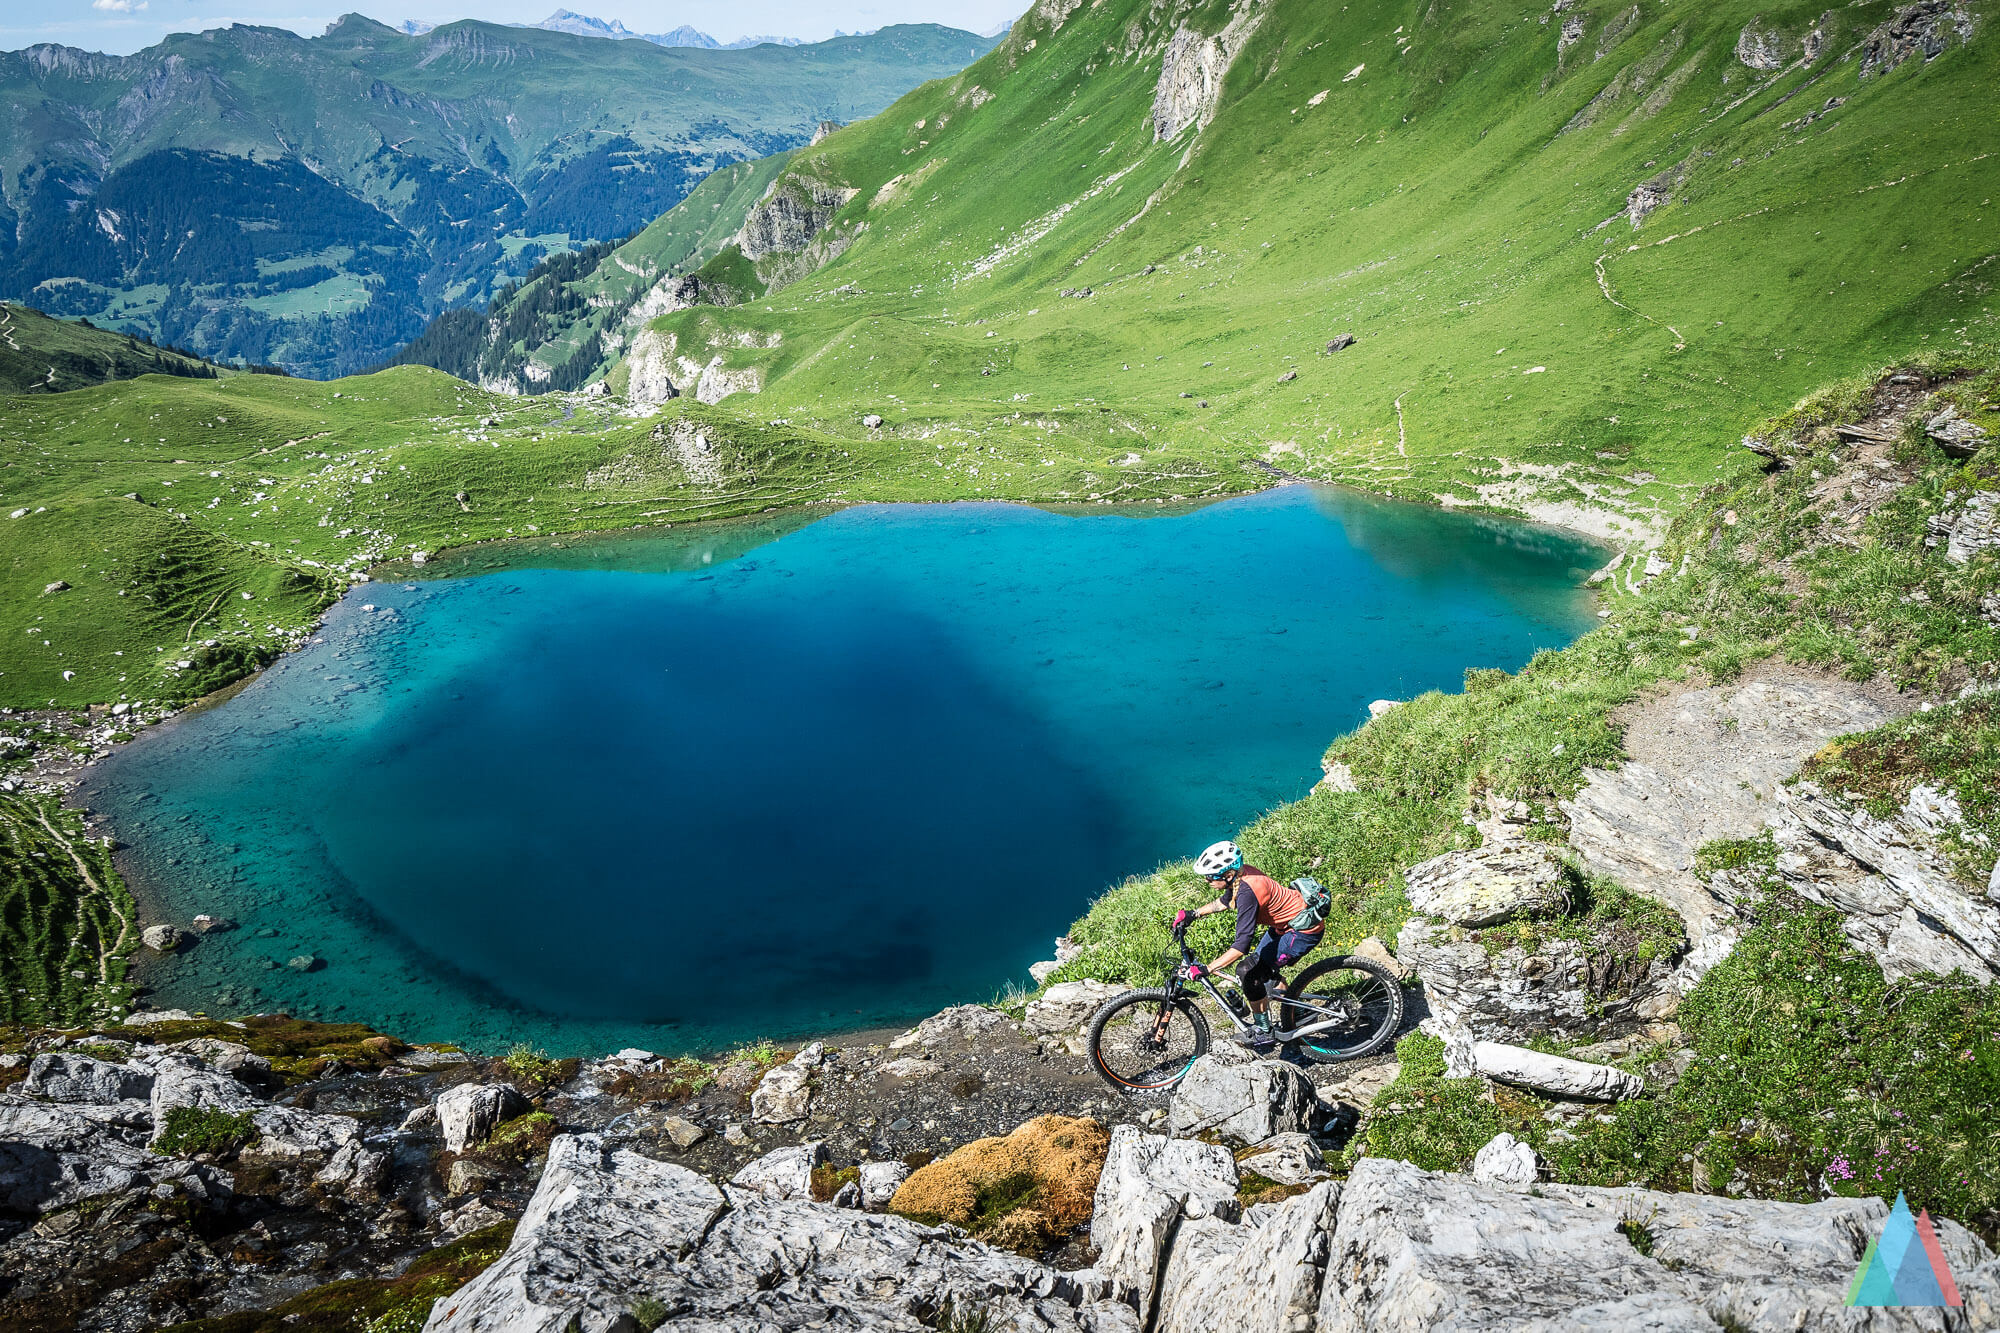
(1258, 900)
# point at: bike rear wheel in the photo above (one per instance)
(1144, 1040)
(1367, 1004)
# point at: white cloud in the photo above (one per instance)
(118, 6)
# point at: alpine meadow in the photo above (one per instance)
(1692, 925)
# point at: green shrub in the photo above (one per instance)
(530, 1065)
(192, 1130)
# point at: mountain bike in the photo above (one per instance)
(1340, 1008)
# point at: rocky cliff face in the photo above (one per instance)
(1192, 71)
(794, 211)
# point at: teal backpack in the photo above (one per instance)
(1313, 914)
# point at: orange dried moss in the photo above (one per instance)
(1024, 1192)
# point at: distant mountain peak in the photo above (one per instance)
(568, 20)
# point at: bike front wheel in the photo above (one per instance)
(1356, 1005)
(1144, 1040)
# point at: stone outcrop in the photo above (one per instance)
(1967, 529)
(1561, 987)
(777, 1176)
(1712, 761)
(955, 1026)
(784, 1094)
(1191, 75)
(1553, 1074)
(1761, 47)
(1955, 434)
(608, 1229)
(1487, 885)
(469, 1113)
(649, 367)
(1289, 1159)
(1244, 1103)
(601, 1223)
(65, 1076)
(794, 209)
(1890, 880)
(53, 1156)
(1415, 1249)
(1928, 29)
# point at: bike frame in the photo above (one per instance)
(1177, 986)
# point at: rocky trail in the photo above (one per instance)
(154, 1177)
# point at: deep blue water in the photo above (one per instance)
(685, 789)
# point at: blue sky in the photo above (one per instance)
(123, 26)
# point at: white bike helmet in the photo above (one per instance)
(1220, 859)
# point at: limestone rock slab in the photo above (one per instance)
(601, 1224)
(1487, 885)
(65, 1076)
(1261, 1278)
(1414, 1249)
(1246, 1103)
(1707, 766)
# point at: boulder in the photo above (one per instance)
(1066, 1007)
(872, 421)
(178, 1083)
(1553, 1074)
(163, 938)
(1423, 1250)
(358, 1172)
(1487, 885)
(607, 1229)
(65, 1076)
(1252, 1278)
(591, 1242)
(1338, 778)
(1563, 987)
(879, 1183)
(682, 1132)
(1506, 1161)
(1340, 342)
(468, 1113)
(786, 1091)
(1382, 706)
(287, 1134)
(784, 1174)
(960, 1024)
(1149, 1183)
(1289, 1159)
(1245, 1103)
(1374, 951)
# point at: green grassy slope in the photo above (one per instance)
(440, 166)
(1431, 178)
(43, 355)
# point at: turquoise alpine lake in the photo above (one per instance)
(820, 771)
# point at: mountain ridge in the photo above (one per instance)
(368, 178)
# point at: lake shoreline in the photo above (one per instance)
(144, 969)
